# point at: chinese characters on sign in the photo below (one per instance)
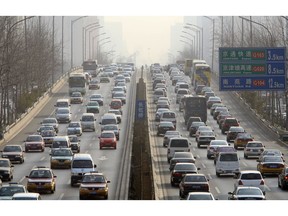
(252, 69)
(140, 109)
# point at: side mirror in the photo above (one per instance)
(95, 165)
(198, 168)
(108, 181)
(258, 160)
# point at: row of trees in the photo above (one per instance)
(29, 58)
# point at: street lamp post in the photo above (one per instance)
(84, 30)
(199, 29)
(192, 42)
(213, 40)
(89, 50)
(99, 46)
(72, 24)
(93, 44)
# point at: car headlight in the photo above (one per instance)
(4, 156)
(6, 172)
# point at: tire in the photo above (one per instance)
(208, 156)
(222, 131)
(217, 174)
(172, 183)
(245, 156)
(279, 184)
(198, 145)
(106, 197)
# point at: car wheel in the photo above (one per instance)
(106, 197)
(283, 187)
(245, 156)
(172, 183)
(223, 132)
(198, 145)
(217, 174)
(208, 156)
(26, 150)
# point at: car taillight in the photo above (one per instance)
(188, 150)
(286, 178)
(262, 182)
(240, 182)
(176, 174)
(281, 166)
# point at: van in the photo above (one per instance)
(61, 142)
(88, 121)
(81, 163)
(227, 163)
(177, 145)
(108, 118)
(63, 103)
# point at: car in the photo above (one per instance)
(205, 137)
(74, 128)
(165, 99)
(211, 100)
(107, 139)
(112, 127)
(116, 104)
(205, 89)
(26, 196)
(191, 120)
(194, 127)
(169, 116)
(45, 128)
(14, 153)
(61, 142)
(200, 196)
(157, 94)
(246, 193)
(200, 129)
(88, 122)
(162, 104)
(253, 149)
(98, 98)
(118, 114)
(94, 185)
(94, 85)
(6, 169)
(61, 158)
(180, 93)
(213, 107)
(227, 123)
(63, 115)
(41, 179)
(169, 134)
(164, 126)
(251, 178)
(92, 107)
(48, 136)
(242, 139)
(121, 96)
(181, 157)
(193, 183)
(219, 110)
(211, 148)
(117, 89)
(122, 84)
(104, 79)
(76, 97)
(74, 143)
(233, 131)
(283, 179)
(34, 142)
(108, 118)
(179, 170)
(221, 118)
(51, 121)
(271, 152)
(8, 190)
(270, 165)
(209, 94)
(158, 113)
(220, 149)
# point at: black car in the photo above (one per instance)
(179, 170)
(191, 120)
(194, 127)
(14, 153)
(193, 183)
(165, 126)
(283, 179)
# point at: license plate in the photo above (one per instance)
(196, 187)
(255, 150)
(273, 166)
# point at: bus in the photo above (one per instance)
(195, 61)
(201, 75)
(188, 67)
(77, 82)
(195, 106)
(90, 66)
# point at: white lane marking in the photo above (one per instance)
(245, 164)
(198, 156)
(103, 158)
(209, 176)
(61, 196)
(203, 165)
(22, 179)
(217, 190)
(43, 158)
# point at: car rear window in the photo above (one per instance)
(251, 176)
(179, 143)
(229, 157)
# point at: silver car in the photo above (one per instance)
(253, 149)
(63, 115)
(168, 135)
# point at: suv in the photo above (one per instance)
(251, 178)
(13, 153)
(177, 145)
(227, 123)
(41, 179)
(88, 121)
(6, 169)
(81, 163)
(94, 185)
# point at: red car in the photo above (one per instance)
(116, 104)
(108, 139)
(34, 143)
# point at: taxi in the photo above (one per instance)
(270, 165)
(93, 185)
(41, 179)
(61, 158)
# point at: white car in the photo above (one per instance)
(251, 178)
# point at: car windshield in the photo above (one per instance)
(107, 135)
(249, 176)
(95, 96)
(47, 121)
(168, 114)
(74, 124)
(92, 103)
(272, 152)
(110, 127)
(254, 145)
(272, 159)
(218, 142)
(229, 157)
(76, 94)
(244, 136)
(62, 152)
(62, 111)
(40, 174)
(172, 133)
(10, 190)
(12, 149)
(166, 124)
(4, 163)
(82, 164)
(207, 133)
(87, 118)
(33, 138)
(196, 178)
(47, 133)
(93, 179)
(186, 166)
(200, 197)
(249, 191)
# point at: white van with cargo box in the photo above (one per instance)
(177, 144)
(227, 163)
(88, 121)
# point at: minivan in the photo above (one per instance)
(108, 118)
(88, 122)
(61, 142)
(177, 145)
(81, 163)
(63, 103)
(227, 163)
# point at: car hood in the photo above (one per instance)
(32, 180)
(28, 143)
(83, 185)
(61, 157)
(106, 139)
(5, 168)
(11, 153)
(5, 197)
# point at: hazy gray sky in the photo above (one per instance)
(149, 36)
